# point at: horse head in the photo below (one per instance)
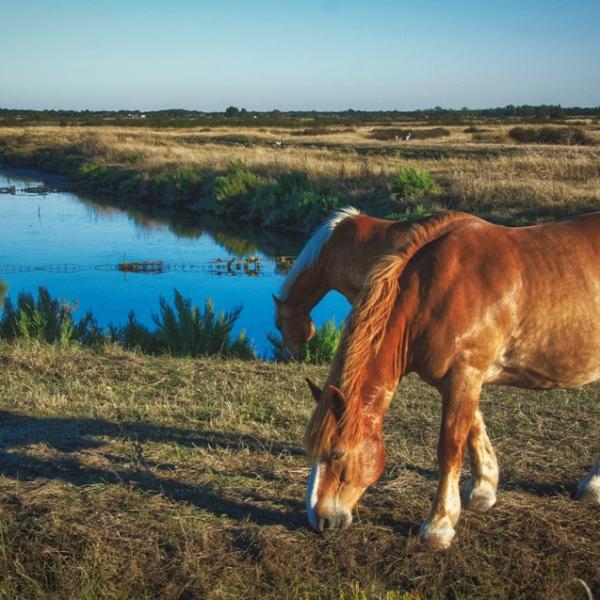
(348, 456)
(295, 325)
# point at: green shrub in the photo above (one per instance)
(291, 200)
(186, 330)
(46, 319)
(319, 350)
(181, 330)
(411, 213)
(233, 190)
(412, 183)
(135, 336)
(550, 135)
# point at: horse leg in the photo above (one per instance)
(460, 399)
(589, 488)
(480, 493)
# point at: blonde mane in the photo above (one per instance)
(364, 335)
(311, 251)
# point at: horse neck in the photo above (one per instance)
(352, 251)
(308, 289)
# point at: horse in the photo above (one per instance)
(464, 303)
(338, 256)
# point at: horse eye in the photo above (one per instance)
(337, 453)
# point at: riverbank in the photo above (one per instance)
(124, 475)
(278, 179)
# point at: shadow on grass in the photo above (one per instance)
(544, 490)
(70, 435)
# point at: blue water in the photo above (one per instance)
(44, 235)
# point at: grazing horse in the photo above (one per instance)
(463, 304)
(338, 256)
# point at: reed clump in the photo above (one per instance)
(181, 329)
(319, 350)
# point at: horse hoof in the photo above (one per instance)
(478, 498)
(588, 490)
(439, 536)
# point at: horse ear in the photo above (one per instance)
(314, 389)
(337, 402)
(277, 301)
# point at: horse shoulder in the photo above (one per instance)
(461, 301)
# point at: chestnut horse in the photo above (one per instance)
(338, 256)
(464, 303)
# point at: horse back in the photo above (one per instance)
(517, 305)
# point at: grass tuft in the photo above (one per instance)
(319, 350)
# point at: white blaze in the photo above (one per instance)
(312, 495)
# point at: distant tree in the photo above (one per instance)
(232, 111)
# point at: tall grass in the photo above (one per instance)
(182, 329)
(46, 319)
(319, 350)
(186, 330)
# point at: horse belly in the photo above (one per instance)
(551, 356)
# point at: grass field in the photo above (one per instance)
(124, 476)
(478, 169)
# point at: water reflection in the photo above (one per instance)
(73, 244)
(240, 239)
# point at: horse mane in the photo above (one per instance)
(312, 249)
(365, 333)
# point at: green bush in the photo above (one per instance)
(412, 183)
(181, 330)
(135, 336)
(233, 190)
(411, 213)
(319, 350)
(475, 129)
(291, 200)
(186, 330)
(46, 319)
(170, 187)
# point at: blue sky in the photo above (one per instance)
(311, 54)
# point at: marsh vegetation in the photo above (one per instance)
(290, 177)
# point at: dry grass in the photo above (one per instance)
(131, 477)
(484, 173)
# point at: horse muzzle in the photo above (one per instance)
(339, 520)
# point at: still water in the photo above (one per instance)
(74, 245)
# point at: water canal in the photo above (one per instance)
(77, 247)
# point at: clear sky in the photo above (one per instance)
(309, 54)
